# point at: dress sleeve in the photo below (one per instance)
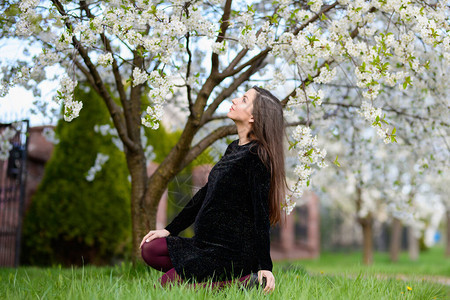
(187, 216)
(259, 181)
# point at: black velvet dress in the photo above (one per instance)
(231, 215)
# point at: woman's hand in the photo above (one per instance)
(154, 234)
(270, 280)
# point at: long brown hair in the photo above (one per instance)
(268, 131)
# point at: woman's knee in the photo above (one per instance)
(152, 250)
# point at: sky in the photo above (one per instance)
(17, 104)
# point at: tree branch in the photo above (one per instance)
(133, 108)
(188, 73)
(86, 73)
(325, 8)
(223, 28)
(236, 60)
(115, 67)
(113, 108)
(390, 109)
(130, 108)
(208, 141)
(260, 55)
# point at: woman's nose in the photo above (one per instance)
(233, 101)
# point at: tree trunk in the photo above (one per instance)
(141, 219)
(413, 245)
(396, 237)
(367, 228)
(447, 248)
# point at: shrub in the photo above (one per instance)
(72, 220)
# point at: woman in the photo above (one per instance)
(234, 210)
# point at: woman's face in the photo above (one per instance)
(242, 108)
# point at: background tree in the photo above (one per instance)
(72, 215)
(126, 48)
(378, 183)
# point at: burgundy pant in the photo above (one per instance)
(156, 255)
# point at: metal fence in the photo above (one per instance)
(12, 194)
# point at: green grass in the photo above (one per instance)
(342, 278)
(431, 263)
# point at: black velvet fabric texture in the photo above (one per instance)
(231, 215)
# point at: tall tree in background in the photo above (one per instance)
(333, 59)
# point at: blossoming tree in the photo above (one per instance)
(381, 183)
(212, 49)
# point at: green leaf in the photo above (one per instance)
(393, 139)
(336, 162)
(292, 145)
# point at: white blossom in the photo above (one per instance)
(24, 27)
(316, 5)
(152, 116)
(308, 154)
(105, 59)
(64, 41)
(161, 87)
(100, 160)
(326, 75)
(247, 38)
(67, 86)
(65, 94)
(303, 15)
(4, 88)
(219, 48)
(266, 36)
(25, 5)
(278, 79)
(289, 204)
(106, 129)
(72, 109)
(369, 112)
(49, 135)
(139, 76)
(310, 94)
(48, 58)
(373, 115)
(5, 145)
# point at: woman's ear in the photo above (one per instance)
(251, 120)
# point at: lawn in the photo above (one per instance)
(431, 262)
(334, 276)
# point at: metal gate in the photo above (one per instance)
(12, 192)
